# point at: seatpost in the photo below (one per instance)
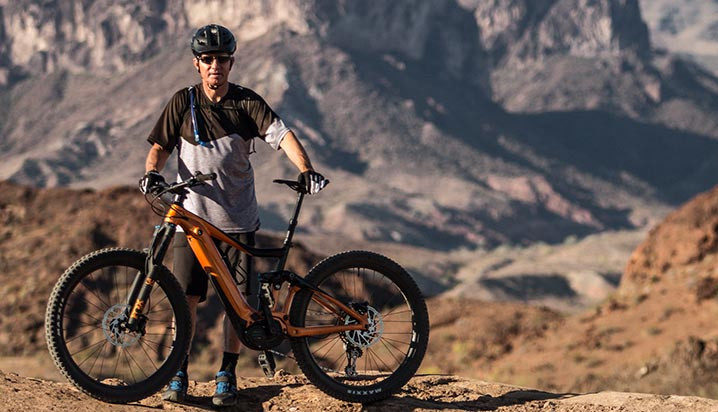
(290, 232)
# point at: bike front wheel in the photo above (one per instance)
(85, 333)
(362, 366)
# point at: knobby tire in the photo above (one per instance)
(331, 272)
(71, 281)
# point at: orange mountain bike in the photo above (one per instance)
(118, 323)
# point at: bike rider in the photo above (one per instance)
(213, 125)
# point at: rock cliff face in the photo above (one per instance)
(85, 36)
(680, 249)
(515, 31)
(688, 28)
(432, 115)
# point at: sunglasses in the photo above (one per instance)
(209, 59)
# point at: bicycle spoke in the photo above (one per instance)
(127, 286)
(391, 295)
(136, 363)
(90, 356)
(402, 352)
(388, 369)
(394, 312)
(330, 348)
(390, 352)
(161, 300)
(117, 361)
(371, 357)
(341, 353)
(397, 341)
(355, 281)
(97, 325)
(147, 354)
(102, 364)
(114, 282)
(158, 344)
(134, 380)
(324, 345)
(88, 347)
(157, 311)
(102, 349)
(88, 301)
(82, 282)
(79, 336)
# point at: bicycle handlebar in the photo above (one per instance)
(177, 188)
(192, 181)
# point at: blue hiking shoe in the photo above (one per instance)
(226, 392)
(176, 390)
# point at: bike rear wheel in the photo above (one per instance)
(87, 341)
(362, 366)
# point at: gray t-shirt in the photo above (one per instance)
(228, 129)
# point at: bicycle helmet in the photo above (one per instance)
(213, 38)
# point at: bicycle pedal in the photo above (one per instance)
(266, 362)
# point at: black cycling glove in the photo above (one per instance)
(152, 182)
(312, 181)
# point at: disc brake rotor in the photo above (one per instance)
(365, 338)
(113, 326)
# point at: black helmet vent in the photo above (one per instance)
(213, 38)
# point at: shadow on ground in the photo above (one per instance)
(435, 392)
(249, 399)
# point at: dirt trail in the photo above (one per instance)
(292, 393)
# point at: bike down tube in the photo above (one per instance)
(199, 236)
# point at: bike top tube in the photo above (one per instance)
(177, 212)
(191, 223)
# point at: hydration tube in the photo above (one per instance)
(192, 109)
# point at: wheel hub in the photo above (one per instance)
(114, 326)
(365, 338)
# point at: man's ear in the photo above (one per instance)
(231, 62)
(195, 61)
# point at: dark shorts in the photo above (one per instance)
(193, 278)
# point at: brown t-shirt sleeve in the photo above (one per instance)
(167, 129)
(260, 112)
(270, 126)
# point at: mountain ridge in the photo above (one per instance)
(512, 125)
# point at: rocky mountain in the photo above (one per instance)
(656, 333)
(445, 125)
(688, 28)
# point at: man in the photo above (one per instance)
(213, 125)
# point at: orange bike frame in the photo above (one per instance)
(201, 235)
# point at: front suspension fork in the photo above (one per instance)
(142, 285)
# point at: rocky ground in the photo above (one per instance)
(292, 393)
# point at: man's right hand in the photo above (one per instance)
(152, 182)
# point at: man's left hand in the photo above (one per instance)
(312, 181)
